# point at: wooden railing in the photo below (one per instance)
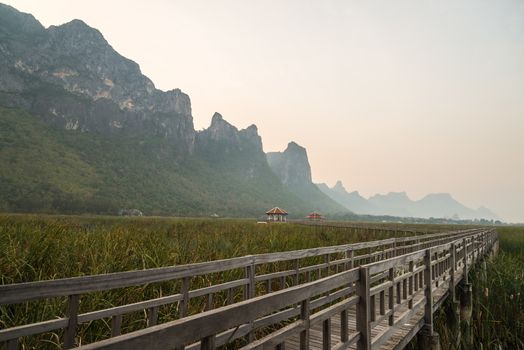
(272, 305)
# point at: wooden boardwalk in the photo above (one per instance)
(402, 335)
(368, 295)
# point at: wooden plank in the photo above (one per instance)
(120, 310)
(21, 292)
(33, 328)
(217, 288)
(277, 337)
(355, 337)
(333, 309)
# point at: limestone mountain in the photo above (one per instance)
(293, 169)
(437, 205)
(71, 77)
(83, 130)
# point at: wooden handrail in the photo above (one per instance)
(22, 292)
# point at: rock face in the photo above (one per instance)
(226, 138)
(293, 169)
(223, 145)
(70, 76)
(291, 166)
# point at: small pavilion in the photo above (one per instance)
(314, 216)
(277, 215)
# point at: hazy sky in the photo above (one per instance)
(416, 96)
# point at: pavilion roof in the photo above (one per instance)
(277, 211)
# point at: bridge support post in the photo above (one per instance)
(428, 338)
(466, 309)
(466, 302)
(453, 319)
(495, 249)
(427, 341)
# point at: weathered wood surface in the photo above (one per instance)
(374, 288)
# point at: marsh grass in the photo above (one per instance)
(39, 247)
(498, 300)
(34, 248)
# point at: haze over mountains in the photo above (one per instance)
(436, 205)
(82, 130)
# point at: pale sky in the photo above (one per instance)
(416, 96)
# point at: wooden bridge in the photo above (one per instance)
(367, 295)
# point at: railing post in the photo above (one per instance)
(250, 293)
(363, 310)
(185, 297)
(453, 267)
(297, 268)
(304, 316)
(12, 344)
(116, 325)
(411, 284)
(428, 280)
(250, 287)
(394, 249)
(344, 332)
(72, 315)
(281, 346)
(350, 255)
(391, 304)
(152, 316)
(465, 252)
(326, 334)
(428, 338)
(208, 343)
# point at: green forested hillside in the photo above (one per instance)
(55, 170)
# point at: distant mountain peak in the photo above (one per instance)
(23, 22)
(339, 187)
(220, 129)
(218, 121)
(294, 147)
(441, 195)
(392, 195)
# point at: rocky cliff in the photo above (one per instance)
(70, 76)
(292, 165)
(293, 169)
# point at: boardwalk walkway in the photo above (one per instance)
(369, 295)
(403, 333)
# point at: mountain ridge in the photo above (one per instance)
(437, 205)
(117, 141)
